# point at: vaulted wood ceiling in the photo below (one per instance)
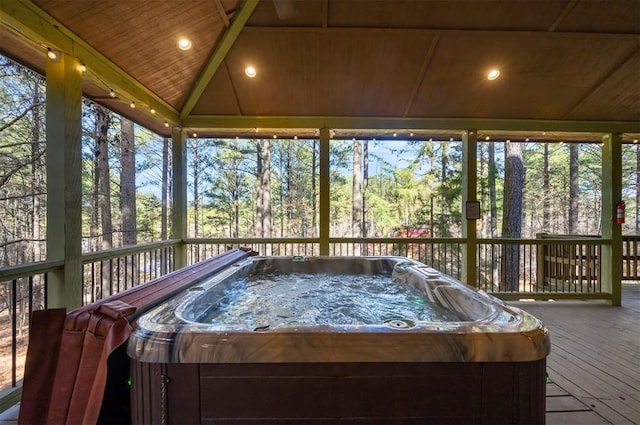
(402, 60)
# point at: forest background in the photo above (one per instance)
(269, 187)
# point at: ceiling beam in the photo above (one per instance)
(220, 52)
(212, 122)
(222, 13)
(423, 70)
(442, 32)
(565, 12)
(27, 21)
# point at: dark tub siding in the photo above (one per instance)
(356, 393)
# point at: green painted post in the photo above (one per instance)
(611, 255)
(324, 191)
(64, 180)
(179, 196)
(469, 272)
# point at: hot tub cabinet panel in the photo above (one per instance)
(485, 366)
(354, 393)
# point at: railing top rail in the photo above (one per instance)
(29, 269)
(554, 241)
(236, 241)
(545, 235)
(397, 240)
(119, 252)
(317, 240)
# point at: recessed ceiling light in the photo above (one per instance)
(132, 105)
(53, 55)
(493, 74)
(250, 71)
(184, 44)
(153, 111)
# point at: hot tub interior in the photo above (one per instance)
(337, 340)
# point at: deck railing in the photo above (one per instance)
(631, 257)
(111, 271)
(550, 267)
(440, 253)
(540, 274)
(23, 289)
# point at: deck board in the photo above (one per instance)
(594, 363)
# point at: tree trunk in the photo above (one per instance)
(493, 202)
(357, 195)
(163, 209)
(36, 172)
(259, 230)
(546, 191)
(442, 222)
(95, 205)
(314, 195)
(195, 166)
(128, 184)
(266, 193)
(573, 188)
(512, 215)
(235, 195)
(365, 187)
(637, 189)
(103, 120)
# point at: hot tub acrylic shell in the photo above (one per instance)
(487, 368)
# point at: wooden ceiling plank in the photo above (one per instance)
(203, 122)
(218, 55)
(36, 26)
(423, 71)
(612, 70)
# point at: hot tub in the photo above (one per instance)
(336, 340)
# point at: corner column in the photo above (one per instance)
(611, 255)
(64, 180)
(179, 219)
(469, 273)
(324, 192)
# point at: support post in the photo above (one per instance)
(469, 272)
(611, 255)
(179, 215)
(324, 191)
(64, 180)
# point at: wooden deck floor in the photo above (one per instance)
(594, 365)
